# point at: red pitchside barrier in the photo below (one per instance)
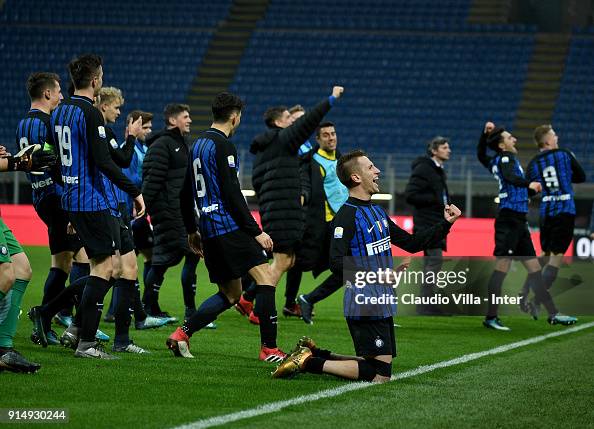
(469, 237)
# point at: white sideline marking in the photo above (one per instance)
(329, 393)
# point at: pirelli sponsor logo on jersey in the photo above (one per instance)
(378, 247)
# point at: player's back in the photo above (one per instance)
(34, 128)
(211, 152)
(75, 124)
(511, 197)
(552, 168)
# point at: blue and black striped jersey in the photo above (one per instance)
(365, 232)
(35, 129)
(212, 178)
(79, 131)
(512, 196)
(556, 170)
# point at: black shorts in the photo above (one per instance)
(126, 241)
(99, 232)
(142, 234)
(373, 337)
(231, 256)
(556, 233)
(55, 218)
(512, 238)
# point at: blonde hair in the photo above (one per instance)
(540, 133)
(110, 94)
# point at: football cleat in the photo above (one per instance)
(304, 342)
(293, 310)
(211, 325)
(94, 351)
(101, 336)
(244, 306)
(179, 344)
(165, 315)
(69, 339)
(35, 316)
(51, 336)
(150, 322)
(253, 319)
(274, 355)
(306, 310)
(292, 364)
(562, 319)
(13, 361)
(63, 320)
(495, 324)
(130, 348)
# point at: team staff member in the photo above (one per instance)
(427, 192)
(163, 171)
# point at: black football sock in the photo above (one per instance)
(494, 290)
(265, 309)
(65, 299)
(123, 293)
(249, 294)
(324, 290)
(542, 294)
(549, 275)
(90, 307)
(145, 271)
(54, 284)
(292, 282)
(139, 313)
(154, 280)
(315, 365)
(206, 313)
(188, 280)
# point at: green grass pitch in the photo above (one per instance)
(545, 384)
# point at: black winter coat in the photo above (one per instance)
(163, 174)
(275, 177)
(425, 191)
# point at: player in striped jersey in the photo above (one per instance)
(364, 232)
(45, 94)
(79, 131)
(556, 169)
(512, 238)
(230, 239)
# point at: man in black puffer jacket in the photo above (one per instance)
(163, 171)
(275, 177)
(427, 192)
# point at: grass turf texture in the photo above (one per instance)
(547, 383)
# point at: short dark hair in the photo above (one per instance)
(434, 144)
(174, 109)
(347, 164)
(38, 82)
(135, 114)
(83, 69)
(272, 114)
(224, 104)
(323, 125)
(494, 138)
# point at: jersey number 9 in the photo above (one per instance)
(64, 141)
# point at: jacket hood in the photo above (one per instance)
(174, 133)
(262, 141)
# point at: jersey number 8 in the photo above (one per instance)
(64, 140)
